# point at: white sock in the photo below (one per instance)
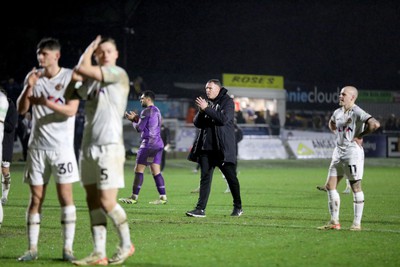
(33, 221)
(68, 221)
(5, 183)
(334, 205)
(98, 221)
(120, 220)
(358, 206)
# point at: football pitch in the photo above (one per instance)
(282, 209)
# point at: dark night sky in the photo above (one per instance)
(313, 42)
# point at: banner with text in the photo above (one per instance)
(252, 81)
(261, 147)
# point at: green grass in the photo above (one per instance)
(281, 206)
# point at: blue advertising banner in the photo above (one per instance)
(375, 146)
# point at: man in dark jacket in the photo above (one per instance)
(215, 145)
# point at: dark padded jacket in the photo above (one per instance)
(219, 115)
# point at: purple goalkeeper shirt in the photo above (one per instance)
(149, 125)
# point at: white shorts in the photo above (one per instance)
(41, 164)
(350, 163)
(103, 166)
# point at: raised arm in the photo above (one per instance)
(85, 66)
(23, 101)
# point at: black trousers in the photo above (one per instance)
(208, 161)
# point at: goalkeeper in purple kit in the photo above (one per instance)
(151, 148)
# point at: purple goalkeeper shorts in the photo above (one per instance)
(147, 156)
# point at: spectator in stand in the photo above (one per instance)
(317, 123)
(13, 89)
(391, 123)
(190, 114)
(260, 119)
(275, 125)
(292, 122)
(239, 117)
(249, 113)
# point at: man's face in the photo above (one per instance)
(144, 101)
(46, 57)
(346, 97)
(106, 54)
(212, 90)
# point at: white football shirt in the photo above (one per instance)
(3, 112)
(105, 107)
(50, 130)
(349, 124)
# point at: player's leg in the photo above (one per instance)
(141, 163)
(33, 219)
(227, 190)
(356, 168)
(207, 167)
(65, 173)
(68, 219)
(98, 219)
(112, 160)
(229, 171)
(98, 226)
(37, 174)
(5, 181)
(158, 178)
(335, 174)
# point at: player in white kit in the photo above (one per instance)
(106, 87)
(51, 148)
(350, 124)
(3, 112)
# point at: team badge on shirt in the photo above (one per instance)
(59, 87)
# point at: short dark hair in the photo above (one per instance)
(108, 40)
(49, 43)
(215, 81)
(150, 94)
